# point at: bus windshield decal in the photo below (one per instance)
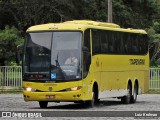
(53, 75)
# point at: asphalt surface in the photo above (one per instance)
(110, 108)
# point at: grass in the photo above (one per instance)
(153, 91)
(155, 82)
(10, 92)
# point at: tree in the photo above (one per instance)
(25, 13)
(9, 39)
(154, 43)
(95, 10)
(134, 13)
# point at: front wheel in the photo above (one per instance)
(94, 101)
(91, 103)
(126, 99)
(43, 104)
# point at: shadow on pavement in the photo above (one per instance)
(79, 106)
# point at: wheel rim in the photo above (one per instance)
(93, 99)
(135, 93)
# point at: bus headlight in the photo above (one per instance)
(29, 89)
(74, 88)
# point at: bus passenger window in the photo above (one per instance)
(86, 53)
(95, 42)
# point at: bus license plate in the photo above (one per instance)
(50, 96)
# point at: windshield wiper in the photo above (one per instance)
(58, 66)
(57, 62)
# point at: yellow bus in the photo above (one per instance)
(84, 61)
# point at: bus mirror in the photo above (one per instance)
(85, 49)
(18, 54)
(17, 57)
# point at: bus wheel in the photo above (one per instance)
(91, 103)
(135, 92)
(126, 99)
(43, 104)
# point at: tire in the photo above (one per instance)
(91, 103)
(43, 104)
(135, 93)
(126, 99)
(95, 100)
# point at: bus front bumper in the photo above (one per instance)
(53, 96)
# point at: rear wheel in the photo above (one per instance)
(135, 93)
(43, 104)
(126, 99)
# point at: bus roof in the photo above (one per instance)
(82, 25)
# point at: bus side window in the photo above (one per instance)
(86, 53)
(104, 42)
(111, 49)
(111, 43)
(87, 39)
(95, 42)
(143, 42)
(122, 47)
(104, 48)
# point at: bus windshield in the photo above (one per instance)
(52, 56)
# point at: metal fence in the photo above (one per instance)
(11, 78)
(154, 78)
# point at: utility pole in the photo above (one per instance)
(109, 11)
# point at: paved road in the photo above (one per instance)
(145, 102)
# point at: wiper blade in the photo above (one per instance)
(57, 62)
(58, 66)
